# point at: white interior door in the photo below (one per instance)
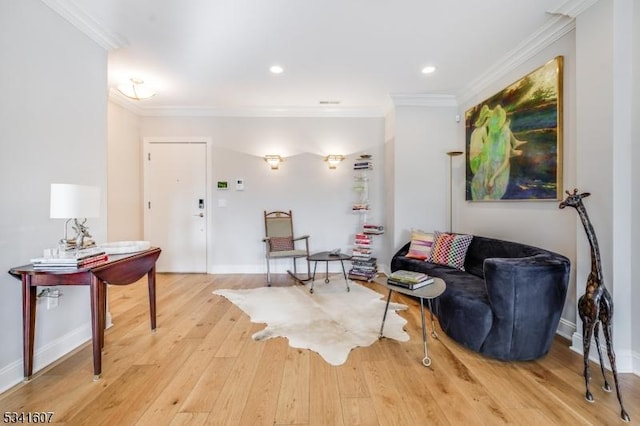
(175, 208)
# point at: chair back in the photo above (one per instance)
(279, 230)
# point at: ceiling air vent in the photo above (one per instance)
(329, 102)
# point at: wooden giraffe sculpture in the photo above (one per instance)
(595, 307)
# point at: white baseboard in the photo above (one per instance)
(12, 374)
(276, 268)
(566, 329)
(627, 361)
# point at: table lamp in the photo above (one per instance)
(77, 203)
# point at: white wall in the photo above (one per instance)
(319, 198)
(124, 210)
(605, 128)
(538, 223)
(635, 181)
(423, 136)
(53, 129)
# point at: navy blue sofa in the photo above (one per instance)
(507, 302)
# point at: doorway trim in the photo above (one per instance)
(208, 141)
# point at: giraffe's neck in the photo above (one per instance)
(596, 263)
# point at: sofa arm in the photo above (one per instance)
(527, 296)
(395, 261)
(403, 250)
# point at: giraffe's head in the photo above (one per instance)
(573, 199)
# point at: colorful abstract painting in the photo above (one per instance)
(514, 140)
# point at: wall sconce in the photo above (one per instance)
(74, 202)
(333, 160)
(136, 89)
(273, 161)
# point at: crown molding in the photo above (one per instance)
(182, 111)
(573, 8)
(550, 32)
(423, 100)
(85, 23)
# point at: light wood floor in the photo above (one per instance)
(202, 367)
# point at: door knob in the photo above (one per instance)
(199, 214)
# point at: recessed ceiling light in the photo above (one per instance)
(428, 69)
(276, 69)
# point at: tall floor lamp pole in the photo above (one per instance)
(451, 154)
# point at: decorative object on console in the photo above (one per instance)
(75, 202)
(123, 247)
(451, 154)
(595, 307)
(273, 161)
(529, 112)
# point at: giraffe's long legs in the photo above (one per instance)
(587, 330)
(606, 329)
(596, 335)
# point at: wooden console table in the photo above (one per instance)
(120, 269)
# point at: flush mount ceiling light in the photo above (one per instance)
(276, 69)
(428, 69)
(136, 89)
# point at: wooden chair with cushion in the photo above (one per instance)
(281, 243)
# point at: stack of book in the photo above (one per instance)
(363, 164)
(371, 229)
(360, 206)
(71, 260)
(409, 279)
(363, 269)
(362, 247)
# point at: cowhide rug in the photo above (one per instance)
(331, 321)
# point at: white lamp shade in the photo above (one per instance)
(74, 201)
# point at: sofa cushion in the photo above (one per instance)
(449, 249)
(421, 243)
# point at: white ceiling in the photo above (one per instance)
(214, 55)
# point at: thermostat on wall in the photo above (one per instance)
(239, 184)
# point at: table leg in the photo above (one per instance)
(96, 324)
(426, 361)
(29, 304)
(326, 272)
(384, 316)
(313, 278)
(103, 313)
(151, 278)
(344, 274)
(433, 324)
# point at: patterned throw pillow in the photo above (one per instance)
(450, 249)
(420, 246)
(281, 243)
